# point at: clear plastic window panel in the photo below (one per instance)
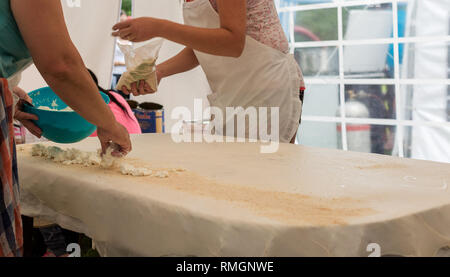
(308, 28)
(367, 22)
(369, 61)
(293, 3)
(371, 138)
(370, 101)
(321, 100)
(395, 87)
(318, 61)
(320, 134)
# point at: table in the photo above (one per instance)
(233, 200)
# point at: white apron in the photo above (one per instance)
(261, 77)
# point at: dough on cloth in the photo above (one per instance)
(74, 156)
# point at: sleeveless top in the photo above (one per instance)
(14, 54)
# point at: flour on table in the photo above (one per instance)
(74, 156)
(178, 170)
(127, 169)
(162, 174)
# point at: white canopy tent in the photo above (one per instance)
(425, 61)
(89, 24)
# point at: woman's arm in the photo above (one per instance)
(182, 62)
(228, 40)
(42, 25)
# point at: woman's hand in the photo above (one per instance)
(116, 135)
(139, 29)
(142, 87)
(226, 40)
(25, 118)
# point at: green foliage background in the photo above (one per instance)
(322, 23)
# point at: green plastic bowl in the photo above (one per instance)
(59, 126)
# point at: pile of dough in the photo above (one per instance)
(66, 157)
(107, 161)
(144, 71)
(127, 169)
(162, 174)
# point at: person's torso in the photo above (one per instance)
(263, 24)
(14, 54)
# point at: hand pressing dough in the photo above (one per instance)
(107, 160)
(73, 156)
